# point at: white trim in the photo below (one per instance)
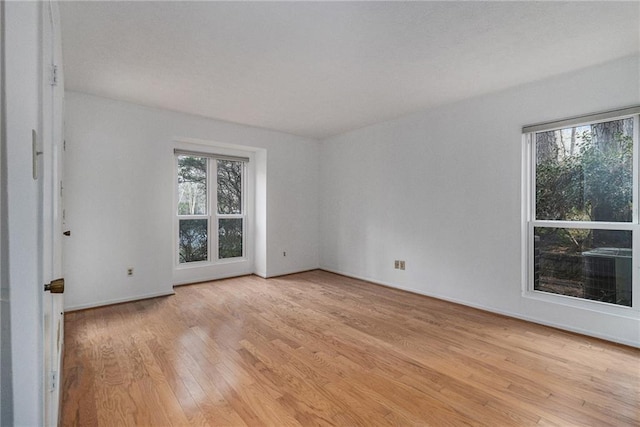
(193, 153)
(580, 120)
(211, 279)
(118, 301)
(288, 272)
(204, 264)
(212, 216)
(526, 200)
(215, 268)
(214, 147)
(530, 223)
(192, 264)
(601, 307)
(623, 226)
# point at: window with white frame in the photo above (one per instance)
(582, 210)
(211, 208)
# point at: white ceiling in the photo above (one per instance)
(319, 69)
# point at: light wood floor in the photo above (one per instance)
(320, 349)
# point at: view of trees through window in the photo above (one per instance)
(584, 174)
(194, 214)
(229, 204)
(192, 209)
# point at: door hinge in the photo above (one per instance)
(53, 78)
(53, 380)
(35, 153)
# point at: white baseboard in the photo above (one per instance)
(288, 272)
(117, 301)
(211, 279)
(489, 309)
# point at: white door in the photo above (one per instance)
(52, 141)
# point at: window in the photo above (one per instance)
(211, 211)
(582, 215)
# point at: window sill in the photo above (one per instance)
(583, 304)
(204, 264)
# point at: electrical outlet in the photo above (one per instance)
(401, 265)
(396, 264)
(130, 271)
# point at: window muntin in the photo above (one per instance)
(204, 182)
(581, 226)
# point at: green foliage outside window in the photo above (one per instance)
(193, 240)
(585, 174)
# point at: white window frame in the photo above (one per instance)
(212, 216)
(529, 223)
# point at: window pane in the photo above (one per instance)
(192, 185)
(229, 187)
(584, 263)
(585, 173)
(229, 237)
(193, 240)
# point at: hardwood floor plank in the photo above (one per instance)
(321, 349)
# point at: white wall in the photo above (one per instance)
(260, 226)
(21, 32)
(441, 189)
(119, 198)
